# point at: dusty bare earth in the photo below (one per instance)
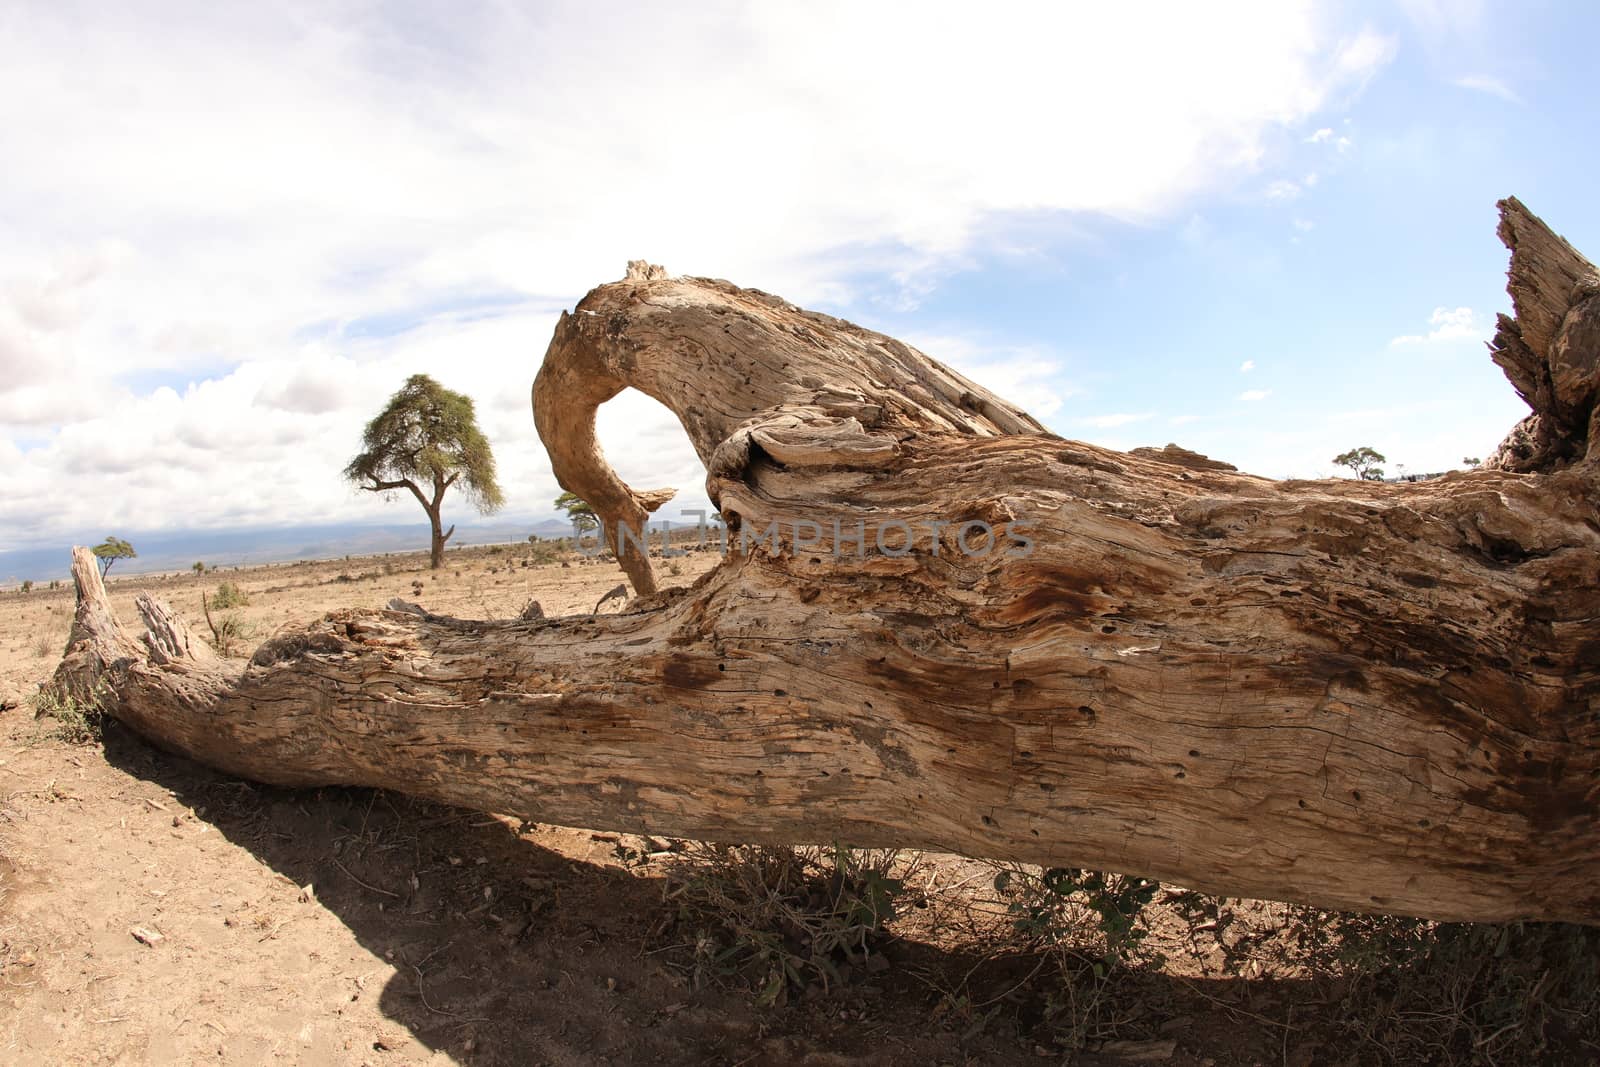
(152, 911)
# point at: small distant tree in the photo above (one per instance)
(425, 440)
(111, 550)
(1365, 462)
(1471, 461)
(27, 585)
(198, 568)
(578, 510)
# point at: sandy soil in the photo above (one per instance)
(346, 926)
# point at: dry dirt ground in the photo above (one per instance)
(348, 926)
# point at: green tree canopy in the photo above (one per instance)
(426, 440)
(578, 510)
(1365, 462)
(111, 550)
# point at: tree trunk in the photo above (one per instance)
(1346, 693)
(440, 536)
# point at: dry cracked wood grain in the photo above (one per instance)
(1351, 694)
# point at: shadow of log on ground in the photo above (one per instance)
(506, 951)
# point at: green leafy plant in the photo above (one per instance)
(229, 595)
(1054, 904)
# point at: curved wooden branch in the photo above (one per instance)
(942, 627)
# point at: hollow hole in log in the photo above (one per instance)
(1108, 629)
(1193, 753)
(1087, 712)
(780, 692)
(646, 445)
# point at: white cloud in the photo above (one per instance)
(1492, 86)
(1255, 394)
(1324, 134)
(1109, 422)
(294, 208)
(1283, 189)
(1303, 225)
(1027, 375)
(1247, 366)
(1449, 326)
(1184, 420)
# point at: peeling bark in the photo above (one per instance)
(1351, 694)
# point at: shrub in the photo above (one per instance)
(77, 722)
(229, 595)
(785, 919)
(228, 630)
(1057, 906)
(1463, 993)
(544, 551)
(1084, 926)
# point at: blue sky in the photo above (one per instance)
(1264, 231)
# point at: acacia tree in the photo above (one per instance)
(426, 439)
(578, 510)
(1365, 462)
(111, 550)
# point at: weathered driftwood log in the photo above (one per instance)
(1358, 695)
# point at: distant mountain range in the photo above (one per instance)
(179, 550)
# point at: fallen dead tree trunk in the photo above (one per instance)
(1357, 695)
